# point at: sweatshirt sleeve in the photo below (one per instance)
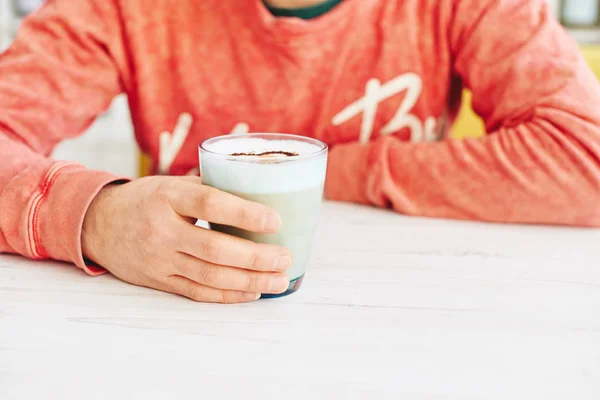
(54, 80)
(539, 163)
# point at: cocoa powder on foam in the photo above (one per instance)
(267, 153)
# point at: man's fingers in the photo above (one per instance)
(229, 278)
(222, 249)
(201, 293)
(212, 205)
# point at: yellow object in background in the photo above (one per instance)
(144, 165)
(469, 125)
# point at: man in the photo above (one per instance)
(378, 80)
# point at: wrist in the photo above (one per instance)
(95, 220)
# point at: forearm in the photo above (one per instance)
(58, 75)
(532, 173)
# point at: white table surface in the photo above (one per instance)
(392, 308)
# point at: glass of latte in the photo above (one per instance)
(284, 172)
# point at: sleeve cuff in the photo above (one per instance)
(62, 213)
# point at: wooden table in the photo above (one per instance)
(392, 308)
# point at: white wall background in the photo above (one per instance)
(5, 23)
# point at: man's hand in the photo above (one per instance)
(143, 232)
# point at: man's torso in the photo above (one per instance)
(195, 70)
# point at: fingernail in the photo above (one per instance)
(282, 263)
(251, 296)
(271, 222)
(280, 284)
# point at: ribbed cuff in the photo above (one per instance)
(61, 214)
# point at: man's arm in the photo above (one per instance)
(539, 163)
(54, 80)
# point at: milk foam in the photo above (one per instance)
(259, 145)
(244, 174)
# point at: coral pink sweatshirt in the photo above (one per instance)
(378, 80)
